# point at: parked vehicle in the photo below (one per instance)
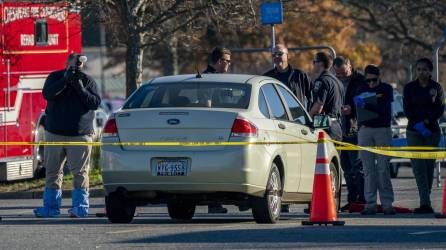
(211, 108)
(36, 39)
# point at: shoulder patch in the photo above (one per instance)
(317, 85)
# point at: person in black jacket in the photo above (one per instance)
(71, 97)
(375, 98)
(219, 62)
(295, 79)
(423, 106)
(350, 162)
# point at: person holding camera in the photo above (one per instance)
(423, 106)
(71, 97)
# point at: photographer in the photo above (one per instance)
(71, 97)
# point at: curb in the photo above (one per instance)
(94, 193)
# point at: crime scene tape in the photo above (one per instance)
(401, 152)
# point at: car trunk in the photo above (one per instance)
(174, 125)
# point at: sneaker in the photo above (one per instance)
(389, 211)
(424, 209)
(285, 208)
(368, 211)
(217, 209)
(345, 208)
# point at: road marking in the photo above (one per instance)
(428, 232)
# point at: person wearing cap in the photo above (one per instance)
(295, 79)
(328, 94)
(71, 97)
(423, 106)
(350, 161)
(376, 98)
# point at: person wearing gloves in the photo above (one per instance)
(423, 101)
(375, 132)
(71, 97)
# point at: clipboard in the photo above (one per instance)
(363, 114)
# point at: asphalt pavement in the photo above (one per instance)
(153, 229)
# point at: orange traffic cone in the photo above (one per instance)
(323, 209)
(443, 212)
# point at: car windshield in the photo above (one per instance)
(201, 95)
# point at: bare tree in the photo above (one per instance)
(142, 24)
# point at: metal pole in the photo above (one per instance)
(437, 77)
(8, 72)
(101, 56)
(273, 41)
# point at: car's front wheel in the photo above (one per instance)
(181, 210)
(267, 208)
(335, 185)
(119, 209)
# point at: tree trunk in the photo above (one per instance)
(170, 59)
(134, 58)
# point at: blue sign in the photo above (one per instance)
(271, 13)
(444, 33)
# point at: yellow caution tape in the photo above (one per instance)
(401, 152)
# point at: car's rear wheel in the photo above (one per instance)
(335, 185)
(119, 209)
(267, 208)
(181, 210)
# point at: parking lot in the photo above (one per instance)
(152, 228)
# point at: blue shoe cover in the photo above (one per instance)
(80, 204)
(52, 200)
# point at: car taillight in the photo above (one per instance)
(110, 128)
(243, 128)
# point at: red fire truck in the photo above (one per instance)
(35, 40)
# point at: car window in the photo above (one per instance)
(297, 112)
(262, 104)
(189, 94)
(273, 99)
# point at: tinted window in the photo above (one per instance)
(273, 99)
(297, 112)
(41, 35)
(202, 95)
(262, 105)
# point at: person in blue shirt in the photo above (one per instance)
(375, 132)
(423, 106)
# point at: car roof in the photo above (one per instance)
(214, 78)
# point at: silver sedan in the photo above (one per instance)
(213, 108)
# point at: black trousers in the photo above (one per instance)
(354, 177)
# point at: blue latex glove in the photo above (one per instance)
(359, 101)
(421, 128)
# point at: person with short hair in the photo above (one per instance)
(219, 61)
(350, 162)
(295, 79)
(423, 101)
(376, 132)
(328, 94)
(72, 98)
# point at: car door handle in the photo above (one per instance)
(304, 132)
(281, 126)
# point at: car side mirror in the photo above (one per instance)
(321, 122)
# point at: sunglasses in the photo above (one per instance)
(226, 61)
(372, 79)
(278, 54)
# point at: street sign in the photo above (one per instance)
(271, 13)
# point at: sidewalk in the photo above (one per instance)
(94, 192)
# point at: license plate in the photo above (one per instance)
(171, 168)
